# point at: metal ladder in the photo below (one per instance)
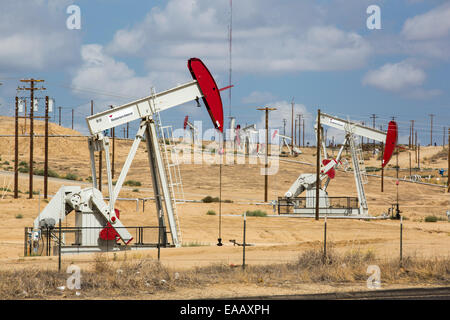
(360, 157)
(358, 167)
(171, 166)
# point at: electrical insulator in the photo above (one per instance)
(35, 105)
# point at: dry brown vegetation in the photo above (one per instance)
(141, 278)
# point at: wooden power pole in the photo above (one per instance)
(46, 150)
(32, 88)
(266, 176)
(16, 151)
(318, 164)
(292, 124)
(448, 165)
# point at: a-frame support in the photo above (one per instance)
(160, 183)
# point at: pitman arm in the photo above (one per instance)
(308, 181)
(304, 182)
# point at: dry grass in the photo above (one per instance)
(134, 278)
(440, 155)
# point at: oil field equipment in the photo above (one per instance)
(357, 207)
(97, 224)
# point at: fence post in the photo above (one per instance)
(243, 244)
(325, 240)
(159, 243)
(25, 250)
(401, 241)
(59, 247)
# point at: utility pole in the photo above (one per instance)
(32, 88)
(319, 128)
(72, 118)
(448, 164)
(415, 146)
(443, 139)
(46, 151)
(410, 173)
(303, 142)
(418, 156)
(295, 134)
(59, 122)
(373, 117)
(266, 177)
(299, 129)
(16, 151)
(292, 124)
(284, 126)
(431, 128)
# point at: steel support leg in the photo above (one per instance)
(162, 190)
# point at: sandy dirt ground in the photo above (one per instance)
(273, 239)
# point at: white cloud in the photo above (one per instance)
(258, 97)
(113, 80)
(395, 77)
(34, 36)
(434, 24)
(275, 40)
(404, 78)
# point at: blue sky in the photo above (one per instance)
(320, 53)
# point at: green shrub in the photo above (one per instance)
(71, 176)
(23, 164)
(256, 213)
(431, 219)
(19, 216)
(23, 170)
(211, 213)
(135, 190)
(132, 183)
(50, 173)
(209, 199)
(194, 244)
